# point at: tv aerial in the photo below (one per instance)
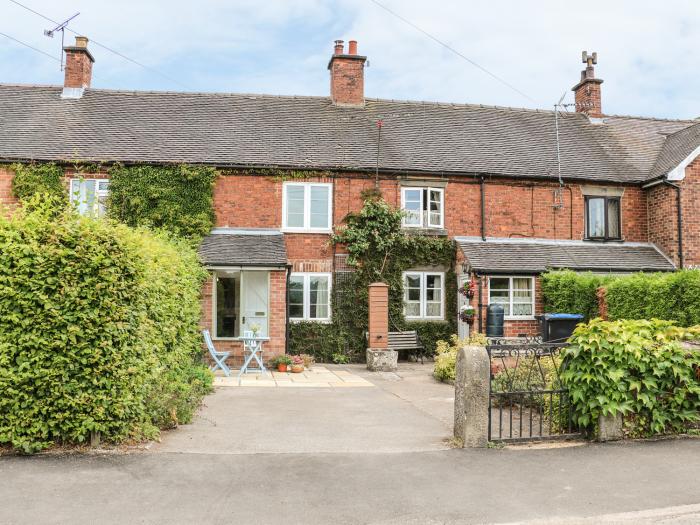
(62, 28)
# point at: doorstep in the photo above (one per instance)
(317, 377)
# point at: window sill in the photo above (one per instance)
(302, 320)
(431, 232)
(601, 239)
(431, 319)
(310, 230)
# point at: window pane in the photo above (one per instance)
(432, 309)
(103, 185)
(412, 205)
(318, 297)
(412, 309)
(614, 218)
(596, 217)
(226, 314)
(522, 309)
(435, 216)
(522, 289)
(296, 296)
(295, 206)
(101, 205)
(433, 289)
(412, 281)
(319, 206)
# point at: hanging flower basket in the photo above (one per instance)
(468, 289)
(467, 314)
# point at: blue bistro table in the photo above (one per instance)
(252, 350)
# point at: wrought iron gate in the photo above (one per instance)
(527, 400)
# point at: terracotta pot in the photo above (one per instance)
(297, 369)
(282, 367)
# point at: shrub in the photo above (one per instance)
(33, 179)
(176, 198)
(637, 368)
(446, 355)
(570, 292)
(320, 340)
(98, 329)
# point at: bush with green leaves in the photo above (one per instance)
(565, 291)
(34, 179)
(637, 368)
(175, 198)
(446, 354)
(98, 329)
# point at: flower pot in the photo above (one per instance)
(297, 369)
(282, 367)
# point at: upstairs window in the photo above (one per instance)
(306, 206)
(90, 196)
(603, 218)
(424, 207)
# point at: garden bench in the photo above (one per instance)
(408, 341)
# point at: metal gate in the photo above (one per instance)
(527, 400)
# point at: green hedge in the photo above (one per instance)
(637, 368)
(566, 291)
(98, 330)
(671, 296)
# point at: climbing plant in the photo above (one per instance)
(379, 249)
(175, 198)
(34, 178)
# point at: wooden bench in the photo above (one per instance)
(408, 341)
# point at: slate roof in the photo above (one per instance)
(532, 256)
(310, 132)
(233, 247)
(675, 149)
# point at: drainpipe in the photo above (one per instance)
(286, 311)
(483, 210)
(481, 306)
(679, 209)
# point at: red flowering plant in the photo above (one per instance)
(468, 289)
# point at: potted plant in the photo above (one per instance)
(468, 289)
(297, 364)
(281, 362)
(467, 313)
(309, 360)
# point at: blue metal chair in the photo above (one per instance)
(218, 357)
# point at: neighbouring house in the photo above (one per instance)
(624, 199)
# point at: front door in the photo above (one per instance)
(255, 294)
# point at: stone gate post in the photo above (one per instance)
(472, 376)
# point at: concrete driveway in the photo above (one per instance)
(404, 412)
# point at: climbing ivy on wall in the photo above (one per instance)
(175, 198)
(32, 179)
(380, 250)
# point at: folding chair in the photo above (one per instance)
(218, 357)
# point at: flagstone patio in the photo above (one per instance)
(317, 377)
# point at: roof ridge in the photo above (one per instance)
(658, 119)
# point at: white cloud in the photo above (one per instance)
(648, 52)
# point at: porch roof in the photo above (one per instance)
(241, 247)
(533, 256)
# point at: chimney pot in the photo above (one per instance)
(352, 47)
(338, 47)
(81, 41)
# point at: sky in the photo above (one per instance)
(648, 51)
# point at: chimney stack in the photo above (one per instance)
(78, 64)
(587, 91)
(347, 75)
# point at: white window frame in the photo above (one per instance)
(307, 296)
(423, 302)
(307, 207)
(510, 278)
(422, 223)
(98, 193)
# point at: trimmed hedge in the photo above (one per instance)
(636, 368)
(566, 291)
(670, 296)
(98, 329)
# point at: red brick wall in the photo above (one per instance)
(347, 80)
(378, 316)
(6, 196)
(691, 216)
(277, 330)
(663, 220)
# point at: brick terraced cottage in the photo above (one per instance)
(485, 176)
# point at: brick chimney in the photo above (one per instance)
(587, 91)
(347, 75)
(78, 64)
